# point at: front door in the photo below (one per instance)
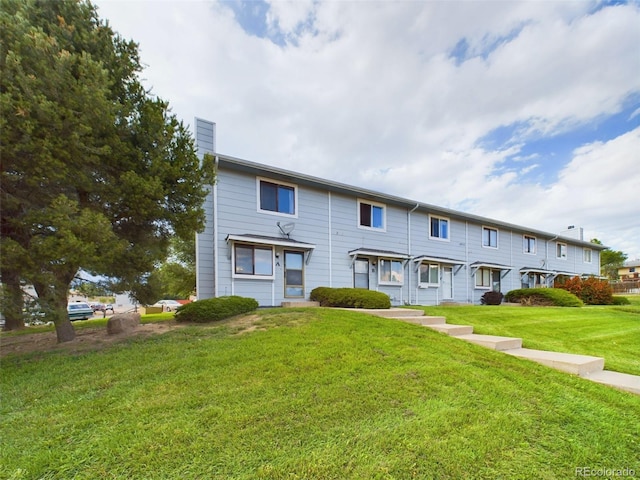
(361, 273)
(447, 283)
(293, 274)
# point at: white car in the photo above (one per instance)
(167, 305)
(79, 311)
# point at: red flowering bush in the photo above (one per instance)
(591, 291)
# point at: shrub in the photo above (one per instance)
(544, 297)
(620, 300)
(349, 298)
(591, 291)
(492, 298)
(213, 309)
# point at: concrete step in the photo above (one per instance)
(493, 342)
(422, 320)
(566, 362)
(622, 381)
(392, 312)
(452, 330)
(301, 303)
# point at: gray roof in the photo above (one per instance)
(315, 182)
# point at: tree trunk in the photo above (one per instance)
(13, 302)
(64, 330)
(55, 299)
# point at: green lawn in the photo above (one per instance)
(315, 394)
(604, 331)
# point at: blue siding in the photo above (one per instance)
(327, 217)
(205, 273)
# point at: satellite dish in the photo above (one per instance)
(287, 228)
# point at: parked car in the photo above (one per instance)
(79, 311)
(167, 305)
(98, 307)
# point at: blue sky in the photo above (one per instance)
(527, 112)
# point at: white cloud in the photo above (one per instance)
(361, 88)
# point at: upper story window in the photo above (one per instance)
(439, 228)
(371, 215)
(529, 244)
(489, 237)
(561, 251)
(253, 261)
(279, 198)
(390, 272)
(586, 255)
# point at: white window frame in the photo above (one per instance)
(587, 255)
(429, 267)
(490, 272)
(284, 184)
(440, 238)
(485, 228)
(392, 261)
(560, 248)
(373, 204)
(248, 276)
(526, 244)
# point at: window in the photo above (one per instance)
(429, 274)
(533, 280)
(390, 271)
(529, 244)
(371, 215)
(489, 237)
(439, 228)
(252, 260)
(632, 269)
(293, 274)
(487, 278)
(561, 250)
(277, 197)
(586, 255)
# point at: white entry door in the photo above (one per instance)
(447, 283)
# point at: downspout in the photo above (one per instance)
(216, 279)
(409, 250)
(330, 242)
(466, 258)
(546, 256)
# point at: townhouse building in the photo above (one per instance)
(275, 235)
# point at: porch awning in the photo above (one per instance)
(265, 240)
(443, 260)
(447, 261)
(541, 271)
(370, 252)
(494, 266)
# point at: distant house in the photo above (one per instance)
(630, 270)
(275, 235)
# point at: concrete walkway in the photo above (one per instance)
(585, 366)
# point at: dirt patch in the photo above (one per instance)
(87, 339)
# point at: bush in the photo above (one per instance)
(492, 298)
(620, 301)
(213, 309)
(591, 291)
(349, 298)
(544, 297)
